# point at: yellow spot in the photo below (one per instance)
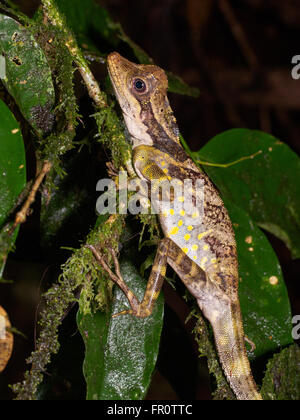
(179, 182)
(187, 236)
(205, 247)
(174, 230)
(195, 214)
(203, 261)
(213, 260)
(181, 199)
(248, 240)
(195, 257)
(270, 149)
(163, 163)
(180, 223)
(185, 250)
(194, 247)
(172, 211)
(155, 295)
(200, 236)
(165, 170)
(15, 130)
(165, 213)
(21, 166)
(190, 227)
(273, 280)
(251, 249)
(182, 212)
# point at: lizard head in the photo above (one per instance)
(141, 91)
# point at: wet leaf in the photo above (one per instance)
(13, 174)
(27, 74)
(267, 186)
(121, 352)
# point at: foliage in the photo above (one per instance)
(259, 191)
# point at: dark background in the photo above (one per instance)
(238, 53)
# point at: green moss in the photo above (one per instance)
(282, 379)
(111, 134)
(80, 272)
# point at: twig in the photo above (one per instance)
(21, 216)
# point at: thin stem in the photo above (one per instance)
(21, 216)
(227, 165)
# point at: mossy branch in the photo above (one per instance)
(80, 272)
(57, 19)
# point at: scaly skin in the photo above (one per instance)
(200, 245)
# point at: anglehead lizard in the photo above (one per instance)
(199, 244)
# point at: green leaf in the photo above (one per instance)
(28, 76)
(121, 352)
(13, 174)
(177, 85)
(282, 379)
(267, 186)
(263, 296)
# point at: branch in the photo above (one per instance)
(52, 13)
(21, 216)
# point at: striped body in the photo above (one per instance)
(198, 242)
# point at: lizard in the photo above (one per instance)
(200, 246)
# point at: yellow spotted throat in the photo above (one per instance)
(200, 246)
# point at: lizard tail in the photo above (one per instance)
(229, 337)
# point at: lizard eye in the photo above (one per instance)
(139, 85)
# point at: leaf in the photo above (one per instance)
(267, 187)
(6, 339)
(28, 76)
(282, 378)
(121, 352)
(177, 85)
(262, 292)
(13, 173)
